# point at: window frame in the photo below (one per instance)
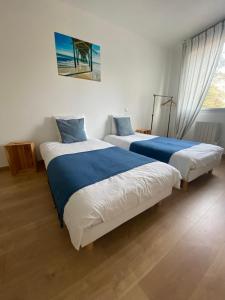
(213, 109)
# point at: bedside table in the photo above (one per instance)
(143, 130)
(21, 156)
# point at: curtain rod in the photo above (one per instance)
(206, 29)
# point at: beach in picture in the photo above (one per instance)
(77, 58)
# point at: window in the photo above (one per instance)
(216, 94)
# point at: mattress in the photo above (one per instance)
(197, 157)
(107, 200)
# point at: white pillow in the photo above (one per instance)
(70, 118)
(113, 125)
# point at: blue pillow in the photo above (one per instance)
(123, 126)
(71, 131)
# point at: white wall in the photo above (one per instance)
(31, 91)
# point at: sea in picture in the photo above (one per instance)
(77, 58)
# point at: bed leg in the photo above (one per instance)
(61, 224)
(90, 246)
(185, 185)
(210, 172)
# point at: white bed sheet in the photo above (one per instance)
(197, 157)
(106, 200)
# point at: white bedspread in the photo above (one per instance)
(195, 157)
(108, 199)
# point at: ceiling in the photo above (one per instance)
(167, 21)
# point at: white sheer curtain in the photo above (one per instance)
(200, 59)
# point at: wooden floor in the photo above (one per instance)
(174, 251)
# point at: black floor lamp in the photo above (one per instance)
(170, 101)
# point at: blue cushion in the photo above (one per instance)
(72, 131)
(123, 126)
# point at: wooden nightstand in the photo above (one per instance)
(144, 130)
(21, 156)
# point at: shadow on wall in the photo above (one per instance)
(161, 115)
(161, 118)
(169, 85)
(108, 125)
(141, 114)
(47, 131)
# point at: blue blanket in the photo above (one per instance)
(160, 148)
(71, 172)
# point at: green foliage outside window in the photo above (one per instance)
(216, 94)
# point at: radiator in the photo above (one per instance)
(207, 132)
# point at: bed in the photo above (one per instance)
(97, 186)
(191, 158)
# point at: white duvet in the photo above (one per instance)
(195, 157)
(108, 199)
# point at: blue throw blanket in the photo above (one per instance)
(69, 173)
(160, 148)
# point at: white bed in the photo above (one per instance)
(98, 208)
(191, 162)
